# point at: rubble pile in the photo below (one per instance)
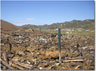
(30, 50)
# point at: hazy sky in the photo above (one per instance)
(46, 12)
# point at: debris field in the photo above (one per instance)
(36, 50)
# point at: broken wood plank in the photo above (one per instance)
(16, 66)
(6, 64)
(4, 56)
(24, 65)
(77, 67)
(75, 60)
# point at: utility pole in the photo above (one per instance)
(59, 44)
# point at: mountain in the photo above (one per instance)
(29, 26)
(6, 26)
(74, 24)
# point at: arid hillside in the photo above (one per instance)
(6, 26)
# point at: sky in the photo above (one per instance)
(45, 12)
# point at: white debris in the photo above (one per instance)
(40, 68)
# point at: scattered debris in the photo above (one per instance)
(39, 50)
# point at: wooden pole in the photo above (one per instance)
(59, 44)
